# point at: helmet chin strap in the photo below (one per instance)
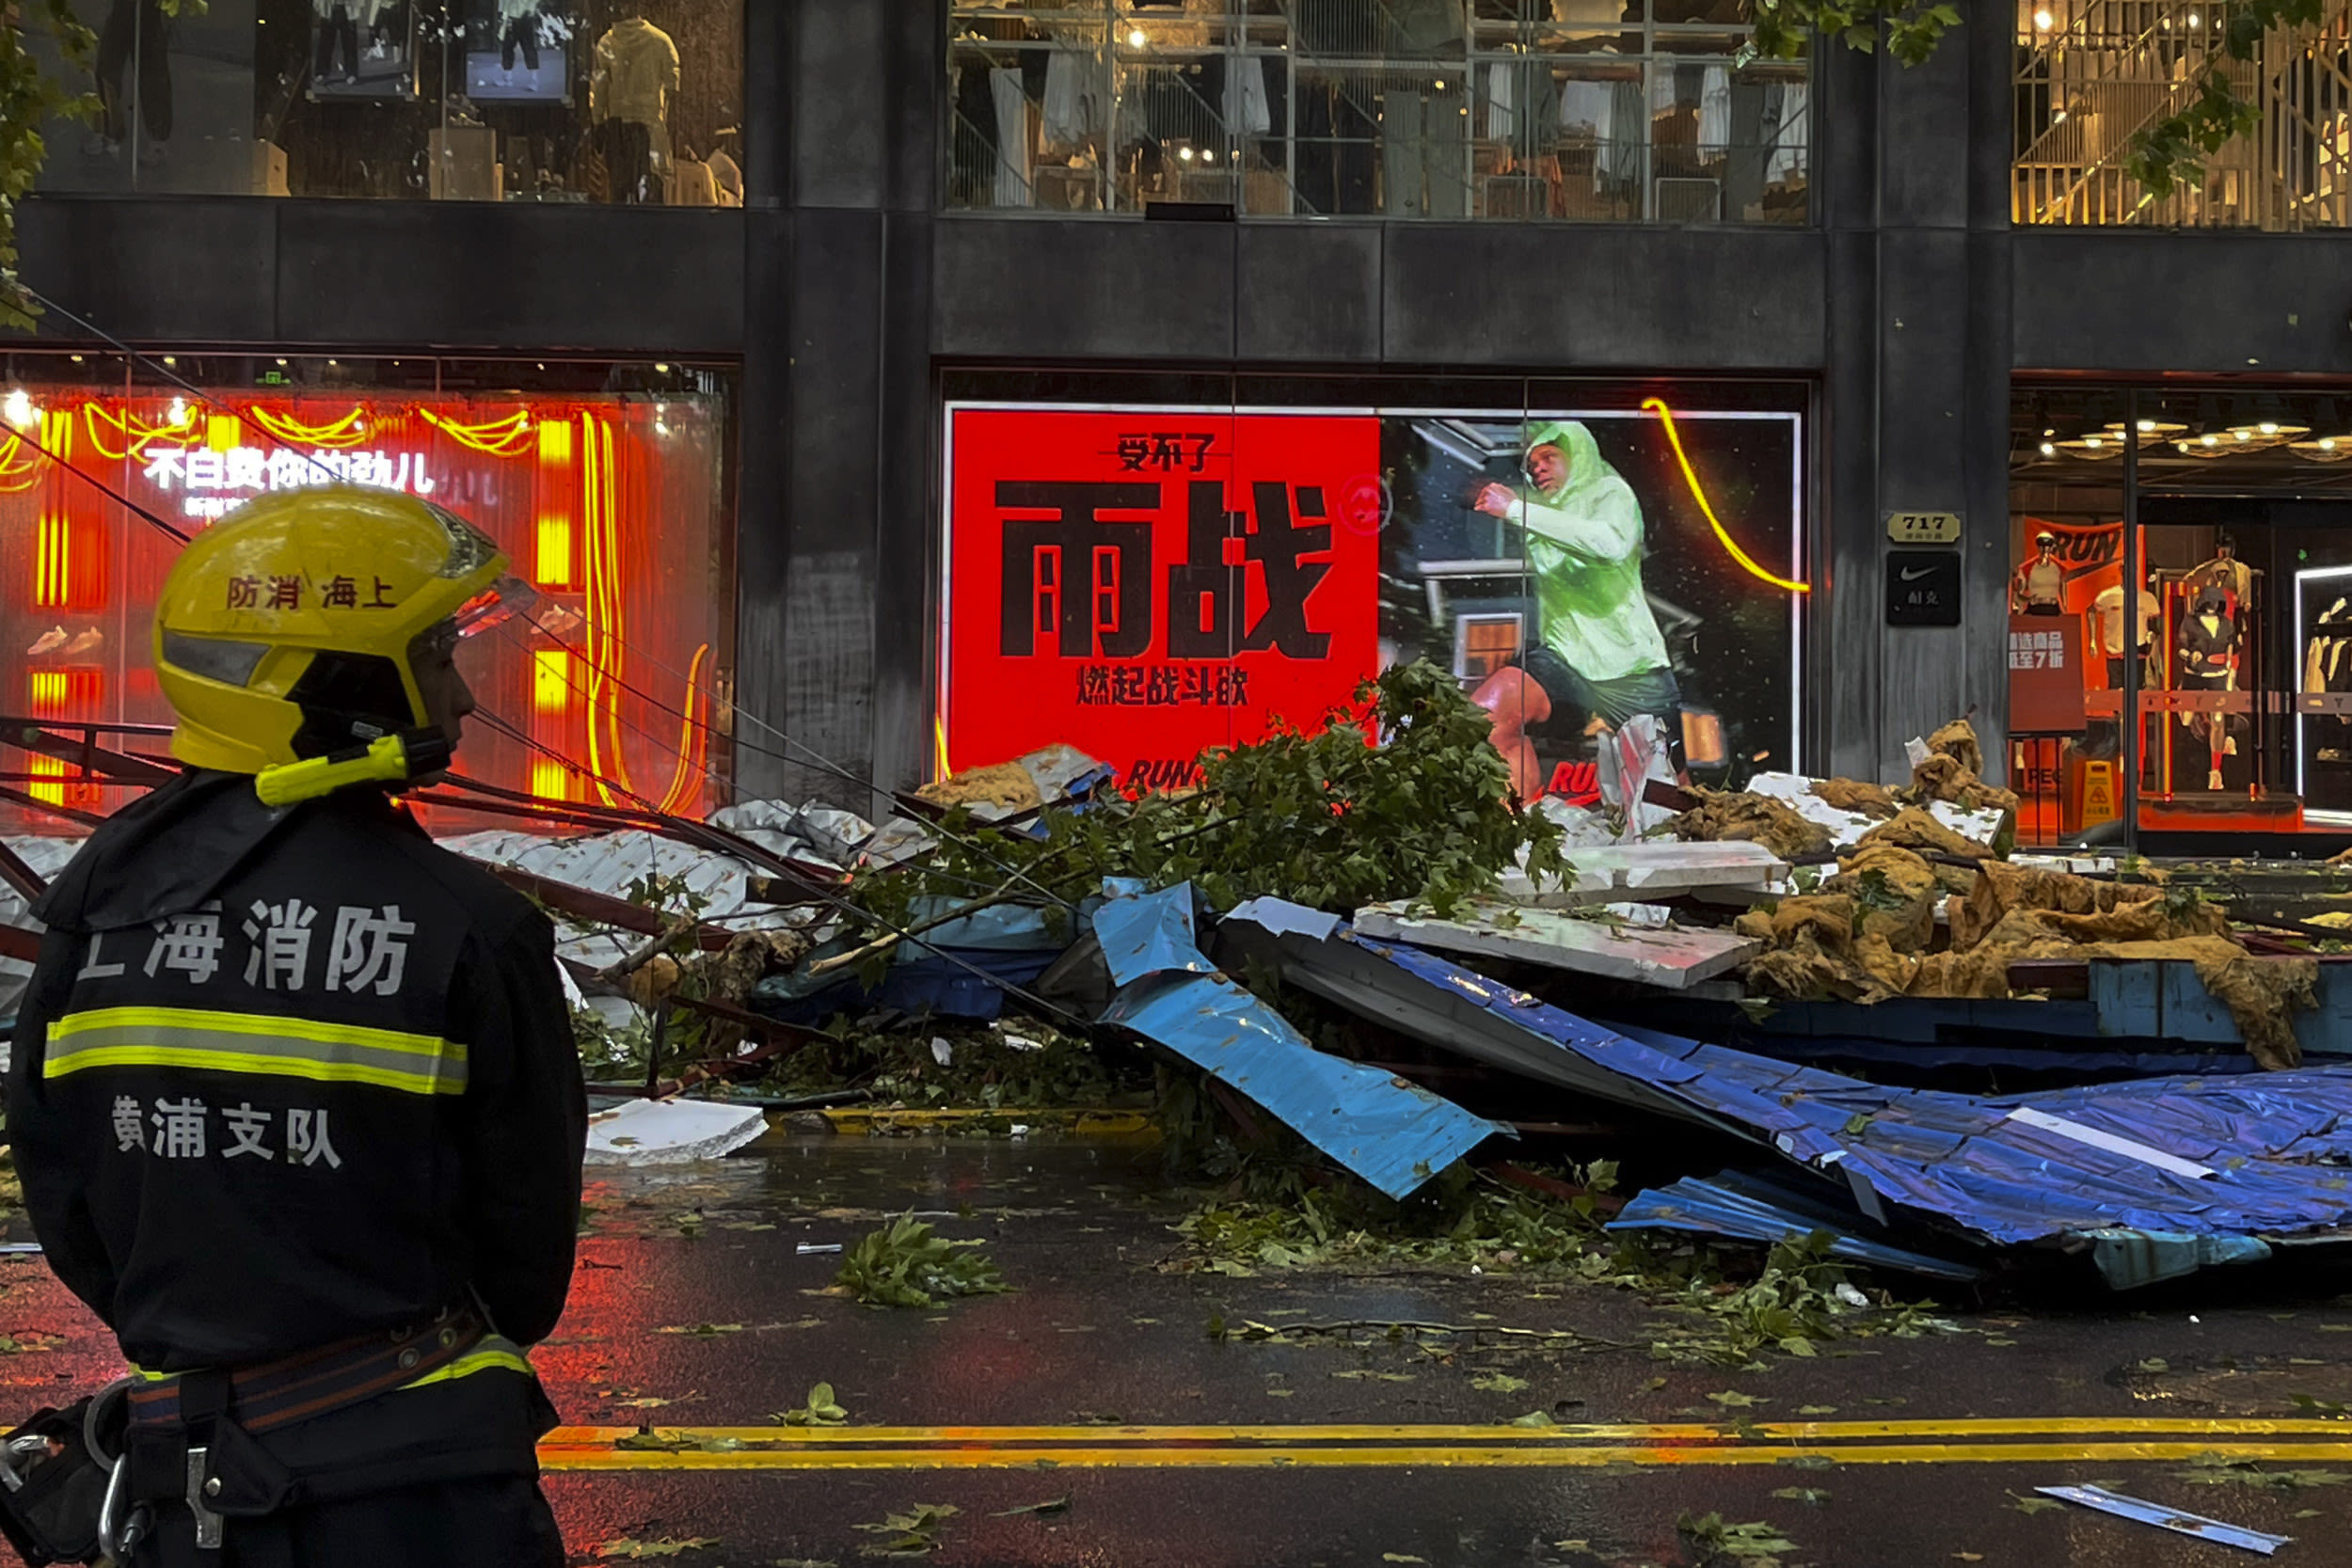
(387, 759)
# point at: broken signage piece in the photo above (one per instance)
(1674, 959)
(2274, 1146)
(1650, 871)
(1394, 1135)
(670, 1131)
(2169, 1518)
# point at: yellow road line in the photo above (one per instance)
(800, 1457)
(1484, 1435)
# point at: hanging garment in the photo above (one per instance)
(1628, 133)
(1586, 105)
(1248, 110)
(1715, 111)
(1791, 137)
(1661, 89)
(1072, 97)
(1013, 137)
(1500, 122)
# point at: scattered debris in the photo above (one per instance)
(2169, 1518)
(904, 1265)
(670, 1131)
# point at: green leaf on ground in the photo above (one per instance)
(1816, 1410)
(700, 1331)
(821, 1410)
(1498, 1382)
(1802, 1493)
(1051, 1505)
(904, 1265)
(1735, 1399)
(1712, 1538)
(911, 1531)
(2034, 1505)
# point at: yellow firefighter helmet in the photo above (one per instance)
(289, 629)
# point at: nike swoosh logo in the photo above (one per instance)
(1911, 574)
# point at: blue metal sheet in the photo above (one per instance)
(1394, 1135)
(1730, 1205)
(2278, 1142)
(1148, 933)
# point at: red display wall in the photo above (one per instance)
(610, 505)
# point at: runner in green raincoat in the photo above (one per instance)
(1599, 651)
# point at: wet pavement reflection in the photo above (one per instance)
(694, 1306)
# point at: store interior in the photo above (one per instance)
(632, 102)
(2233, 649)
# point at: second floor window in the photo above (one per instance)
(1598, 110)
(634, 101)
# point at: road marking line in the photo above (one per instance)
(1479, 1436)
(558, 1457)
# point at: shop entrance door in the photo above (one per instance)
(2246, 688)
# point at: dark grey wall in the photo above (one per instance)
(844, 292)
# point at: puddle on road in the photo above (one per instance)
(2256, 1386)
(837, 1179)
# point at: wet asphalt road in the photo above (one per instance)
(693, 1309)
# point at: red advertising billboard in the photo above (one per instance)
(1146, 585)
(1142, 583)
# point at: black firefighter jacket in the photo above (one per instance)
(282, 1078)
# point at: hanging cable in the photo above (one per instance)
(841, 905)
(811, 756)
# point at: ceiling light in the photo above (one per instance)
(1208, 157)
(2043, 22)
(18, 409)
(2058, 118)
(1136, 39)
(2242, 433)
(2048, 450)
(661, 369)
(178, 412)
(2195, 21)
(1185, 153)
(171, 359)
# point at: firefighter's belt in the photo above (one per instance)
(319, 1381)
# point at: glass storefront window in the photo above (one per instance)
(2090, 74)
(616, 101)
(1603, 110)
(2237, 636)
(604, 483)
(1142, 569)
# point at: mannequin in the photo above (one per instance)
(2228, 573)
(629, 85)
(2107, 631)
(2039, 586)
(2209, 663)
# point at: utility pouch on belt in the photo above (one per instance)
(51, 1490)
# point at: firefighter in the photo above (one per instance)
(293, 1093)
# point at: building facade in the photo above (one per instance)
(1127, 372)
